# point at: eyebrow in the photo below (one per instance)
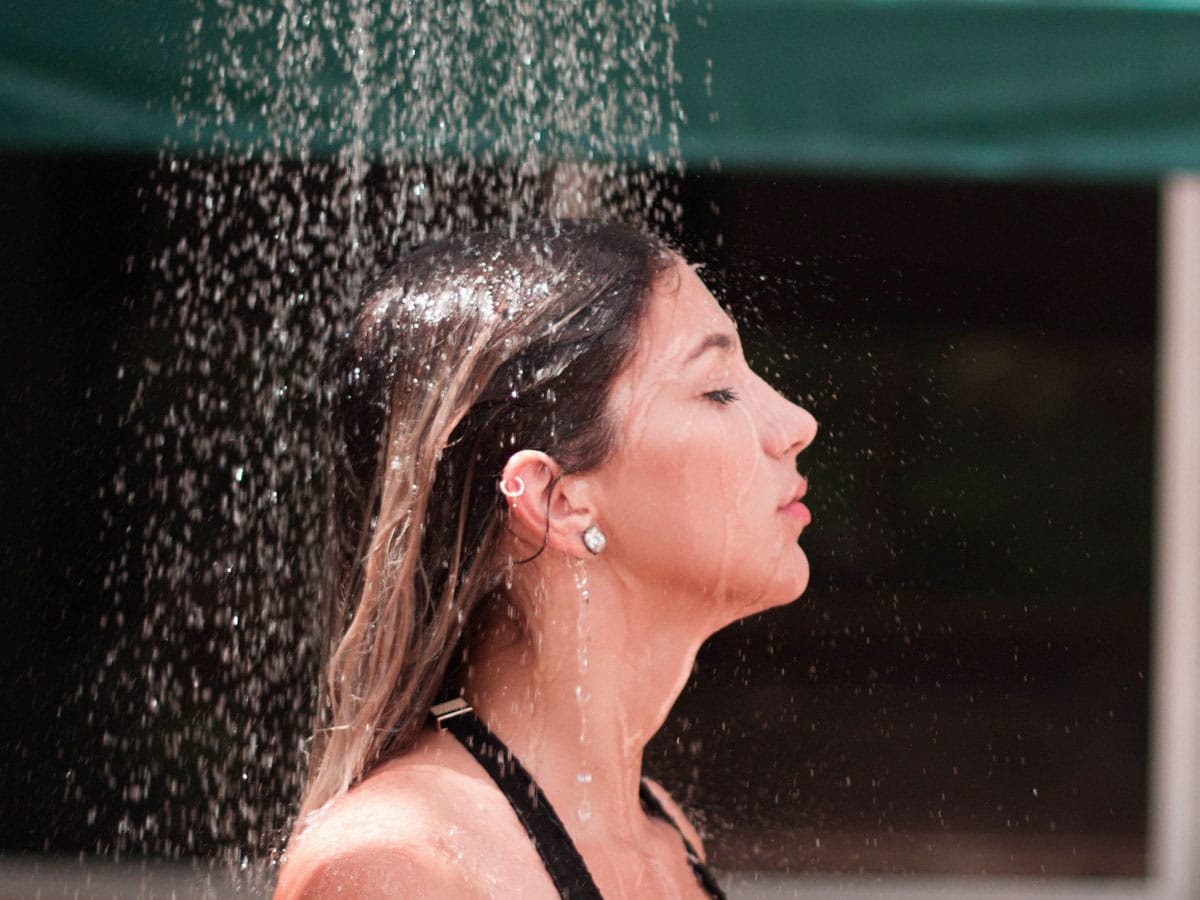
(719, 340)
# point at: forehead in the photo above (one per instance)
(681, 312)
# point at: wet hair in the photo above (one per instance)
(463, 352)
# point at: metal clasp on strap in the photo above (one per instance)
(444, 712)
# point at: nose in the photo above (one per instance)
(791, 428)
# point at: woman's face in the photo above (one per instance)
(701, 493)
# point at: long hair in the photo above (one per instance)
(462, 353)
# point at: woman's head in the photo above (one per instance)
(700, 498)
(463, 352)
(585, 368)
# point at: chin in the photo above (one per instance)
(786, 582)
(800, 580)
(790, 578)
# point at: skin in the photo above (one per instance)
(697, 505)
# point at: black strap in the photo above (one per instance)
(542, 824)
(703, 873)
(564, 864)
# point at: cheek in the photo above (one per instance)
(704, 480)
(705, 463)
(673, 489)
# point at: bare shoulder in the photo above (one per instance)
(367, 872)
(413, 829)
(676, 813)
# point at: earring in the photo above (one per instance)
(594, 540)
(511, 493)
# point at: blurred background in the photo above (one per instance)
(944, 227)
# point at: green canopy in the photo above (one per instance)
(971, 87)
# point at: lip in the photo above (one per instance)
(797, 493)
(798, 511)
(793, 508)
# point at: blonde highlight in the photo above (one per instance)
(461, 351)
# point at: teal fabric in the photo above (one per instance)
(993, 89)
(91, 75)
(980, 88)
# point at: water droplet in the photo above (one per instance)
(321, 170)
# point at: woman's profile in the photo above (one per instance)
(554, 476)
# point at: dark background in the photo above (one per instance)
(963, 687)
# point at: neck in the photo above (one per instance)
(578, 694)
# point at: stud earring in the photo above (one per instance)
(512, 493)
(594, 540)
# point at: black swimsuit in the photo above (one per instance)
(542, 824)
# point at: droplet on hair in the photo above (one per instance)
(268, 245)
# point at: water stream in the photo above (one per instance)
(337, 135)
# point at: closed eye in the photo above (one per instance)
(722, 396)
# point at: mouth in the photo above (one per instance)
(793, 508)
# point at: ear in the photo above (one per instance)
(545, 506)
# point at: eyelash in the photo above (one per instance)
(722, 396)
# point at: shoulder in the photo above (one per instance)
(365, 844)
(367, 872)
(676, 813)
(412, 829)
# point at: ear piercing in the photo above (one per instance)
(594, 540)
(513, 492)
(593, 537)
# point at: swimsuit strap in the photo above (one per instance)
(562, 860)
(542, 824)
(702, 872)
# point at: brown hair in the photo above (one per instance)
(463, 352)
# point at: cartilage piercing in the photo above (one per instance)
(511, 493)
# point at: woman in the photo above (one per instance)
(555, 477)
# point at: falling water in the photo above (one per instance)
(327, 139)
